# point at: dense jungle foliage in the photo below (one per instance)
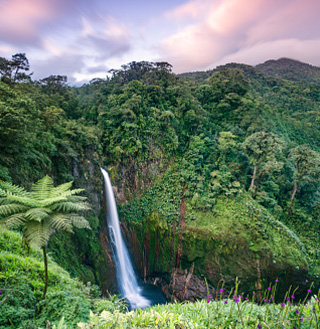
(237, 142)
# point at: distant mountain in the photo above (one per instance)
(284, 68)
(290, 69)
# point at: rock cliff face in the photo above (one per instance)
(181, 257)
(206, 257)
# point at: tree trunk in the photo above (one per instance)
(254, 176)
(45, 272)
(295, 188)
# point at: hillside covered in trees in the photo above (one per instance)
(216, 173)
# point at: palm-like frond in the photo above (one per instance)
(43, 209)
(42, 188)
(79, 221)
(76, 198)
(12, 208)
(37, 233)
(56, 191)
(68, 206)
(62, 197)
(29, 202)
(15, 221)
(38, 214)
(61, 222)
(8, 188)
(52, 201)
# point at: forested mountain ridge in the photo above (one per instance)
(283, 68)
(290, 69)
(230, 159)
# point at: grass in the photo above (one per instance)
(21, 286)
(223, 312)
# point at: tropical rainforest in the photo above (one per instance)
(216, 175)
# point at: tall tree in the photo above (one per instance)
(306, 166)
(19, 66)
(262, 149)
(42, 211)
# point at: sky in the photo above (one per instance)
(84, 39)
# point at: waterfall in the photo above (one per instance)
(125, 273)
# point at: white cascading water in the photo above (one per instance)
(125, 274)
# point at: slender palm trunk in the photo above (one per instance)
(254, 176)
(45, 272)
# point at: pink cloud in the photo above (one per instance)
(20, 19)
(191, 9)
(229, 26)
(303, 50)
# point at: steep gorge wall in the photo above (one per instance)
(205, 256)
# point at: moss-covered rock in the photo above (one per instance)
(238, 238)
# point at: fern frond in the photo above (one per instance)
(42, 188)
(57, 191)
(62, 197)
(8, 188)
(61, 222)
(4, 201)
(29, 202)
(15, 221)
(73, 192)
(76, 198)
(79, 221)
(68, 207)
(12, 208)
(3, 193)
(37, 214)
(37, 234)
(52, 201)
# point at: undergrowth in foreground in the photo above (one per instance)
(234, 311)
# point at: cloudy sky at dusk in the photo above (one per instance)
(83, 39)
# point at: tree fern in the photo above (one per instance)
(42, 188)
(42, 211)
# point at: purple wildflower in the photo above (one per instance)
(236, 299)
(269, 288)
(313, 309)
(210, 296)
(269, 301)
(276, 280)
(259, 326)
(271, 297)
(208, 300)
(288, 299)
(264, 300)
(247, 298)
(296, 311)
(292, 297)
(226, 302)
(309, 291)
(221, 290)
(253, 293)
(301, 318)
(283, 304)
